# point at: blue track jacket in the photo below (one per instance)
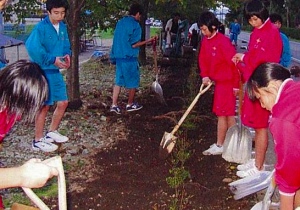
(128, 32)
(286, 56)
(44, 43)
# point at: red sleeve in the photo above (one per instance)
(287, 147)
(202, 60)
(228, 52)
(265, 46)
(6, 123)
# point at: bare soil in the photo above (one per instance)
(130, 175)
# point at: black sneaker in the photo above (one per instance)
(115, 109)
(133, 107)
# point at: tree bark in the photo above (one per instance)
(142, 55)
(73, 19)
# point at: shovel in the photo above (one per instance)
(155, 85)
(62, 198)
(238, 141)
(251, 184)
(266, 202)
(168, 140)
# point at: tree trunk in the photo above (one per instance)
(73, 20)
(142, 55)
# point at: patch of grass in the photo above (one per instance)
(16, 198)
(49, 191)
(107, 34)
(155, 31)
(110, 33)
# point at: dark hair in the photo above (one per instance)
(274, 17)
(256, 8)
(50, 4)
(23, 89)
(135, 8)
(295, 70)
(263, 74)
(176, 14)
(209, 19)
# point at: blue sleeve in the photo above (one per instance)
(136, 35)
(286, 56)
(36, 50)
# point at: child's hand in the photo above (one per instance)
(206, 81)
(62, 62)
(67, 60)
(236, 91)
(35, 174)
(153, 38)
(237, 58)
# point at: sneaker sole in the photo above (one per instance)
(211, 153)
(57, 141)
(132, 110)
(63, 141)
(115, 111)
(39, 149)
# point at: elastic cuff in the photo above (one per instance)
(242, 58)
(53, 60)
(287, 194)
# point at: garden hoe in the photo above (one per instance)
(168, 140)
(251, 184)
(155, 85)
(238, 141)
(62, 199)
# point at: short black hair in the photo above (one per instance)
(274, 17)
(135, 8)
(209, 19)
(256, 8)
(50, 4)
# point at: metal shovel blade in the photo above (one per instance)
(158, 90)
(237, 145)
(168, 141)
(231, 143)
(259, 206)
(245, 145)
(270, 205)
(166, 145)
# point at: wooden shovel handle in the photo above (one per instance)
(155, 55)
(62, 198)
(201, 91)
(241, 96)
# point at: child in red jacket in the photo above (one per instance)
(278, 93)
(216, 65)
(23, 89)
(265, 45)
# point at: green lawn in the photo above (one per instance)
(104, 34)
(109, 33)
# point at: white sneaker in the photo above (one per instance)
(249, 172)
(43, 145)
(246, 166)
(213, 150)
(57, 137)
